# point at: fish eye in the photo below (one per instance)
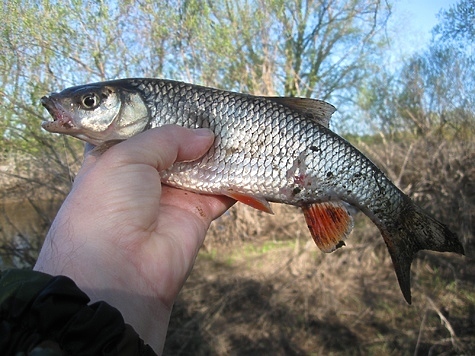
(90, 101)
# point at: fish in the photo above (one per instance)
(266, 149)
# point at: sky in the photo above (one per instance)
(409, 31)
(414, 20)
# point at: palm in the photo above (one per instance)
(125, 238)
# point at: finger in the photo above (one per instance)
(206, 207)
(176, 144)
(161, 147)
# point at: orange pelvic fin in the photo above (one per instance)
(329, 223)
(256, 202)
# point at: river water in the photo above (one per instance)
(23, 226)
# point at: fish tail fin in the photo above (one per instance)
(415, 231)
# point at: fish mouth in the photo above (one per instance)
(62, 122)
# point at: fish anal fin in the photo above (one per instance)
(318, 110)
(329, 223)
(255, 202)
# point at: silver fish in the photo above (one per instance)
(267, 149)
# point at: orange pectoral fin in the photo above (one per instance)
(329, 223)
(253, 201)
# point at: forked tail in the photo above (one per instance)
(412, 232)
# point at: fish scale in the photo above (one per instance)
(267, 149)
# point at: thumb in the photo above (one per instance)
(159, 147)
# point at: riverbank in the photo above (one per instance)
(288, 298)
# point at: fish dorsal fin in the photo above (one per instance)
(318, 110)
(329, 223)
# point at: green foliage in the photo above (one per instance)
(439, 91)
(434, 91)
(318, 49)
(457, 23)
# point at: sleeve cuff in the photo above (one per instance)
(37, 309)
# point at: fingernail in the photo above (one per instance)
(204, 132)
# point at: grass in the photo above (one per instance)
(262, 295)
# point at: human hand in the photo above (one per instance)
(126, 239)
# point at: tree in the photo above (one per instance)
(424, 116)
(298, 48)
(306, 48)
(434, 90)
(438, 91)
(318, 49)
(457, 24)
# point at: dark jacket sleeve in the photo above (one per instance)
(51, 316)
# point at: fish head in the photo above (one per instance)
(96, 113)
